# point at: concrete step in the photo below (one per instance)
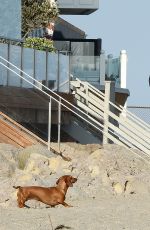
(81, 133)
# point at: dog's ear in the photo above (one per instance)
(69, 181)
(59, 179)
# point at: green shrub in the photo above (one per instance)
(39, 43)
(36, 14)
(22, 159)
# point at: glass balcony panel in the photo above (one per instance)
(14, 58)
(82, 48)
(63, 72)
(40, 65)
(52, 69)
(28, 66)
(85, 68)
(3, 70)
(113, 70)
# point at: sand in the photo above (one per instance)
(112, 191)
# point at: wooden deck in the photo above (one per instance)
(13, 133)
(30, 104)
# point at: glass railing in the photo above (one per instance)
(112, 70)
(86, 68)
(54, 69)
(51, 69)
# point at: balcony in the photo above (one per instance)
(78, 7)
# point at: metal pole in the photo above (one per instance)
(59, 123)
(21, 65)
(8, 58)
(49, 122)
(34, 57)
(46, 74)
(58, 73)
(69, 72)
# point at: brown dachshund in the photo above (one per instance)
(47, 195)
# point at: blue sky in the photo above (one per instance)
(123, 24)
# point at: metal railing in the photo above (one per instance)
(52, 69)
(57, 98)
(56, 67)
(130, 135)
(118, 137)
(128, 128)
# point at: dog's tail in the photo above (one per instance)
(16, 187)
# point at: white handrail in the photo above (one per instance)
(39, 83)
(39, 88)
(109, 135)
(119, 107)
(96, 124)
(130, 132)
(123, 119)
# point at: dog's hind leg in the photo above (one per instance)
(21, 200)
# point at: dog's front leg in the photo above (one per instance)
(66, 205)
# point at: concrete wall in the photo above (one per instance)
(10, 19)
(77, 6)
(65, 30)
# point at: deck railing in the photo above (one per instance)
(118, 121)
(53, 69)
(128, 134)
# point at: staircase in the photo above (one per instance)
(13, 133)
(118, 125)
(123, 127)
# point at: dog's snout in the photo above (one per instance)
(74, 179)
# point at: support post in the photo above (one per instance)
(21, 65)
(123, 72)
(49, 123)
(59, 123)
(8, 59)
(109, 96)
(123, 69)
(46, 68)
(102, 68)
(58, 75)
(34, 61)
(69, 73)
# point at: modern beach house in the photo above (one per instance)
(76, 94)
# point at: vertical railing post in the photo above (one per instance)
(8, 59)
(123, 72)
(34, 60)
(87, 96)
(58, 75)
(21, 65)
(49, 122)
(46, 65)
(109, 65)
(69, 72)
(59, 122)
(123, 68)
(102, 68)
(109, 96)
